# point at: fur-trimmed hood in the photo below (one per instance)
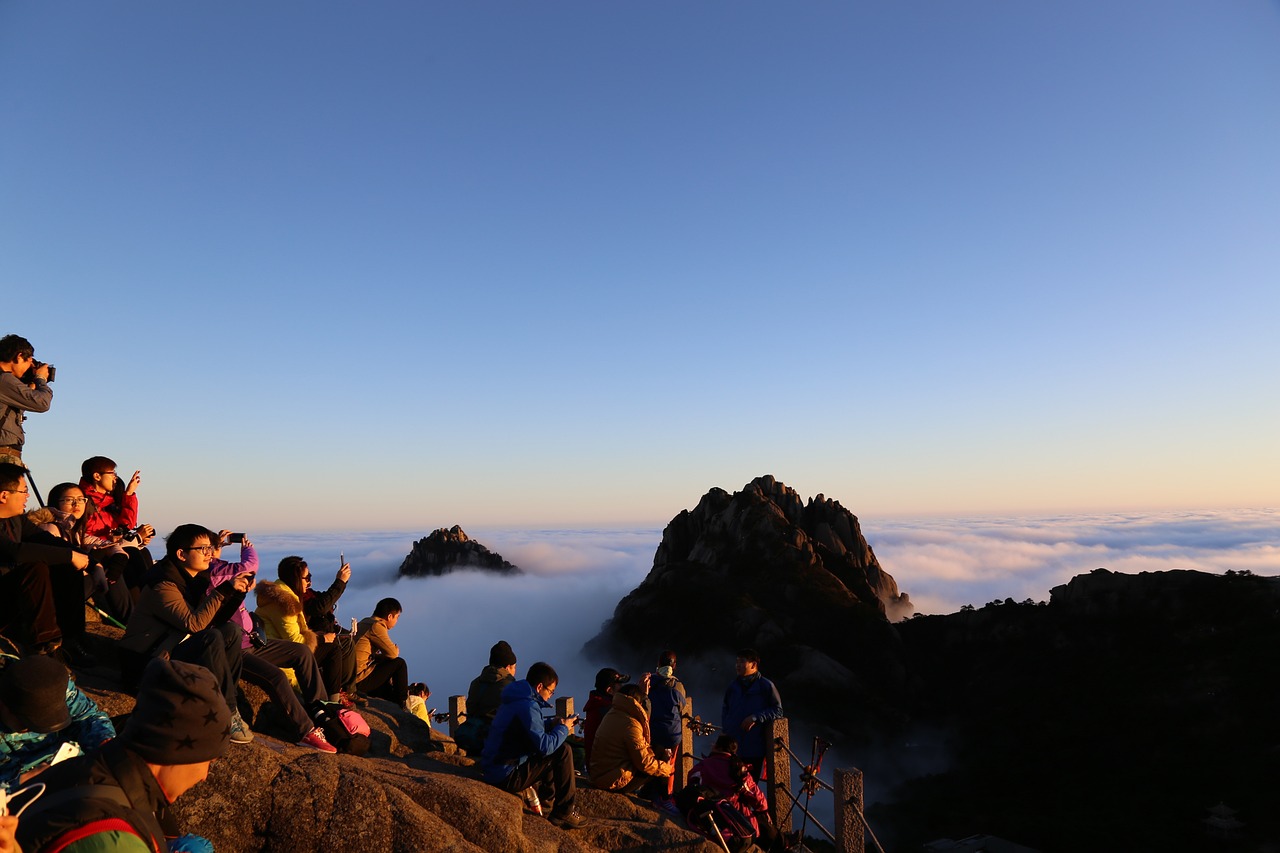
(278, 595)
(280, 610)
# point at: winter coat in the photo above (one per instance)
(622, 748)
(17, 397)
(280, 610)
(754, 697)
(221, 571)
(319, 607)
(484, 696)
(727, 776)
(136, 817)
(373, 640)
(522, 728)
(22, 542)
(22, 751)
(174, 604)
(104, 513)
(667, 696)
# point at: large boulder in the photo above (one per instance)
(446, 550)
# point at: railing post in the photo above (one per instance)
(457, 713)
(778, 771)
(564, 706)
(849, 827)
(685, 764)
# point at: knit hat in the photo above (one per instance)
(180, 718)
(501, 654)
(34, 691)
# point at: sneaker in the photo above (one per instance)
(358, 698)
(569, 820)
(240, 733)
(667, 806)
(316, 740)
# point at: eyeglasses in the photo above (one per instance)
(306, 577)
(207, 550)
(19, 491)
(74, 501)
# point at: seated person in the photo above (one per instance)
(419, 693)
(729, 777)
(109, 561)
(527, 746)
(287, 610)
(622, 759)
(40, 710)
(265, 659)
(380, 671)
(181, 614)
(119, 797)
(599, 701)
(113, 507)
(41, 576)
(484, 696)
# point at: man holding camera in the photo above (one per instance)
(24, 387)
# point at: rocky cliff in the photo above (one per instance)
(446, 550)
(763, 568)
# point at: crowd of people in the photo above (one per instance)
(190, 640)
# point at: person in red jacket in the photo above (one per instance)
(112, 509)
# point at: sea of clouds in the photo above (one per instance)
(573, 579)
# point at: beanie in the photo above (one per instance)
(501, 654)
(180, 718)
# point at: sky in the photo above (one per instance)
(404, 265)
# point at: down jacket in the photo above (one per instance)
(280, 610)
(621, 747)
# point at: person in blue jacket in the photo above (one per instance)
(40, 710)
(750, 700)
(527, 746)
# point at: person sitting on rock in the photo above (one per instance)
(667, 700)
(599, 701)
(730, 779)
(41, 709)
(527, 746)
(380, 671)
(119, 797)
(41, 580)
(181, 615)
(113, 508)
(751, 699)
(335, 649)
(265, 659)
(484, 697)
(419, 693)
(622, 758)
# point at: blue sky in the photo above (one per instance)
(404, 265)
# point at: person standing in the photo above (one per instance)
(750, 700)
(667, 700)
(24, 387)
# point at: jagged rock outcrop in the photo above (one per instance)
(446, 550)
(413, 792)
(762, 568)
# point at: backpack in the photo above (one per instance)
(344, 728)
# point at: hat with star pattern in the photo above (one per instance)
(180, 718)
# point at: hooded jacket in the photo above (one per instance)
(621, 748)
(521, 729)
(104, 513)
(280, 610)
(667, 696)
(373, 641)
(484, 696)
(756, 697)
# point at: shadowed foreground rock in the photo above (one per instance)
(413, 792)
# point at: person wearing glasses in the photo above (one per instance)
(24, 387)
(104, 580)
(113, 506)
(291, 609)
(27, 611)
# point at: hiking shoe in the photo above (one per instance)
(356, 698)
(569, 820)
(667, 806)
(342, 699)
(316, 740)
(240, 733)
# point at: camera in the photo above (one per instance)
(128, 538)
(257, 640)
(30, 375)
(621, 678)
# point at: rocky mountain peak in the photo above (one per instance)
(449, 549)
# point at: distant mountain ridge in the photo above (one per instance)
(447, 550)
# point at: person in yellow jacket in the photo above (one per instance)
(621, 757)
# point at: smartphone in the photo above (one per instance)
(235, 538)
(342, 559)
(67, 750)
